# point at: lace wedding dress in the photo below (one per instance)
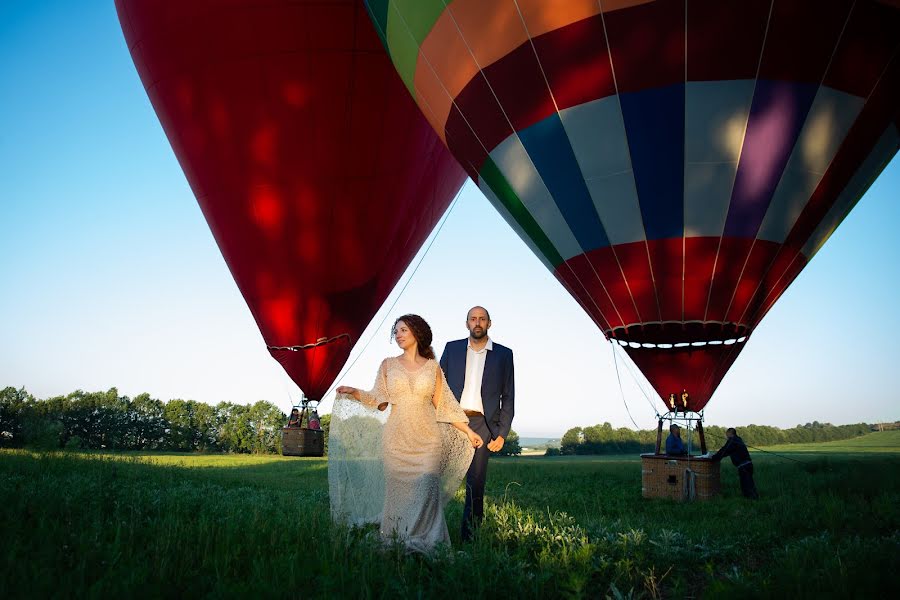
(398, 468)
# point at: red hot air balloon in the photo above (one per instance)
(675, 163)
(315, 170)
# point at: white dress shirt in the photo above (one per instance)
(471, 394)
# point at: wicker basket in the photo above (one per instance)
(664, 476)
(297, 441)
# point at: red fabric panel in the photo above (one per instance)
(699, 258)
(635, 265)
(587, 301)
(795, 50)
(697, 370)
(576, 62)
(667, 259)
(604, 263)
(733, 253)
(757, 265)
(316, 172)
(607, 296)
(866, 46)
(647, 45)
(479, 128)
(724, 39)
(778, 287)
(519, 85)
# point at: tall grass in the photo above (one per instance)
(231, 526)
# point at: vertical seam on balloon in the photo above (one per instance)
(459, 109)
(612, 69)
(684, 169)
(756, 238)
(591, 297)
(871, 93)
(766, 304)
(762, 52)
(599, 219)
(512, 128)
(765, 299)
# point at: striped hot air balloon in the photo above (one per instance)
(674, 163)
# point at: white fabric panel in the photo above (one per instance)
(715, 121)
(596, 132)
(616, 201)
(707, 196)
(829, 119)
(516, 166)
(507, 216)
(878, 159)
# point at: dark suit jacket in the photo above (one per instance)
(498, 388)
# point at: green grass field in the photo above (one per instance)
(91, 525)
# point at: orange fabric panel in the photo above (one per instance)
(542, 16)
(491, 29)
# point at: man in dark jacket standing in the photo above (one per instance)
(740, 457)
(480, 373)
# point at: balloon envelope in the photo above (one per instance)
(314, 168)
(674, 163)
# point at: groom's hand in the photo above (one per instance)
(496, 444)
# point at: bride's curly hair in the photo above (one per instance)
(420, 329)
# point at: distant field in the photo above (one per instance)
(150, 525)
(878, 442)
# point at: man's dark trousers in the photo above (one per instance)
(473, 513)
(748, 487)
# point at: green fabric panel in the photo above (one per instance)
(419, 16)
(408, 24)
(497, 182)
(403, 48)
(377, 10)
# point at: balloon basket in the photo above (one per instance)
(296, 441)
(679, 477)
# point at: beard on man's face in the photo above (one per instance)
(477, 333)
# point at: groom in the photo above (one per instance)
(480, 374)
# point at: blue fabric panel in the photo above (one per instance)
(654, 124)
(548, 147)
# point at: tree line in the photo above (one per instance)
(604, 439)
(108, 420)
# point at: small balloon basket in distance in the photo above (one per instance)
(683, 477)
(303, 435)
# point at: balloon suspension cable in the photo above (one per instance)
(634, 378)
(437, 232)
(622, 390)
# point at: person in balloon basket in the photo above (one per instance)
(426, 446)
(740, 457)
(674, 444)
(480, 373)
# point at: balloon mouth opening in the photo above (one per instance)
(679, 335)
(322, 341)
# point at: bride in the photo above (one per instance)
(426, 445)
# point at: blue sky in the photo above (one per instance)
(112, 277)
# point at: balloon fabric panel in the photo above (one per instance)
(315, 170)
(675, 164)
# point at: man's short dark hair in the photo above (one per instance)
(731, 430)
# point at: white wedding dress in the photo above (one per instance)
(398, 468)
